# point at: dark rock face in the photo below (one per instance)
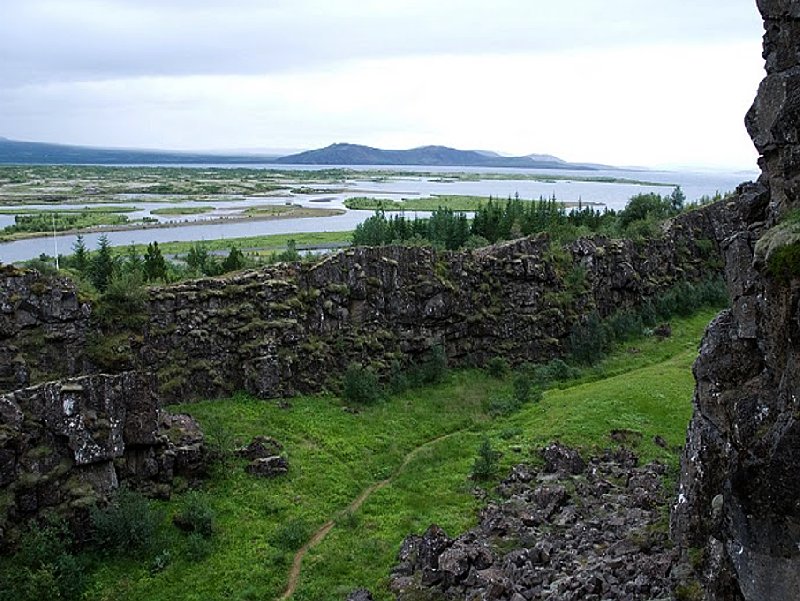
(43, 328)
(290, 328)
(571, 535)
(739, 504)
(67, 445)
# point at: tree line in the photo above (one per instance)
(499, 220)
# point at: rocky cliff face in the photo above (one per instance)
(66, 445)
(294, 328)
(43, 327)
(738, 512)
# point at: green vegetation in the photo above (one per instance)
(91, 210)
(437, 201)
(127, 526)
(485, 466)
(46, 222)
(289, 210)
(166, 211)
(779, 249)
(335, 455)
(594, 337)
(270, 243)
(360, 386)
(784, 262)
(45, 566)
(497, 220)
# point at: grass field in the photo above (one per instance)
(335, 455)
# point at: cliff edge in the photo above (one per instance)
(737, 516)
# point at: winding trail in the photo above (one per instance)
(319, 535)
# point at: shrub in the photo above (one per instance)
(123, 302)
(522, 388)
(500, 406)
(432, 370)
(160, 561)
(360, 386)
(485, 464)
(291, 535)
(399, 381)
(196, 515)
(128, 524)
(44, 567)
(497, 367)
(589, 340)
(625, 325)
(198, 547)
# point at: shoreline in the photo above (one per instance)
(307, 212)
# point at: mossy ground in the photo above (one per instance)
(334, 454)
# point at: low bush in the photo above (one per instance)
(198, 547)
(497, 367)
(291, 535)
(784, 263)
(44, 567)
(360, 386)
(196, 516)
(129, 523)
(485, 465)
(522, 388)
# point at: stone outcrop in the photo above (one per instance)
(295, 328)
(291, 328)
(572, 534)
(737, 516)
(43, 326)
(66, 445)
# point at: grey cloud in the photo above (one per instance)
(67, 40)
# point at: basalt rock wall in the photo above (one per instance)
(43, 327)
(738, 512)
(294, 328)
(66, 445)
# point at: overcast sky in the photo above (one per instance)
(627, 82)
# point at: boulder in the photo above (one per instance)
(268, 467)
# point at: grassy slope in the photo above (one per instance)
(336, 454)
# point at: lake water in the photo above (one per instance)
(610, 195)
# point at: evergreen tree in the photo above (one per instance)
(102, 265)
(155, 266)
(133, 260)
(235, 260)
(80, 256)
(677, 199)
(197, 258)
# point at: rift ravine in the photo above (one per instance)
(737, 518)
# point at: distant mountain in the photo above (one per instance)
(428, 156)
(545, 157)
(38, 153)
